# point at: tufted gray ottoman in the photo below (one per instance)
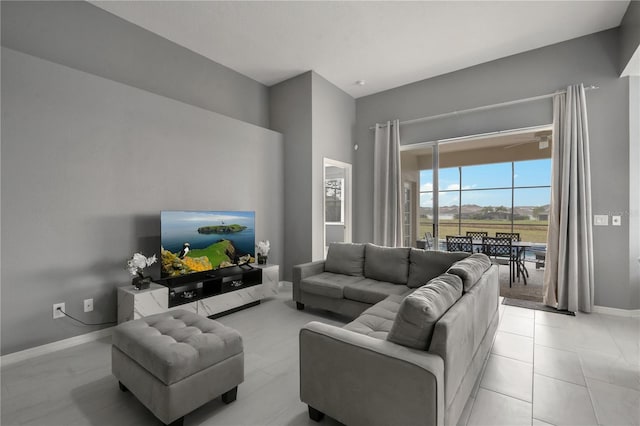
(176, 361)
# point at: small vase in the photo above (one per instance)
(262, 260)
(141, 283)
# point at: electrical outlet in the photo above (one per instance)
(616, 220)
(88, 305)
(56, 313)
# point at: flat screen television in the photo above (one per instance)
(199, 241)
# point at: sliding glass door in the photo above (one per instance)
(428, 210)
(500, 197)
(496, 182)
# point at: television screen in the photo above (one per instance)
(197, 241)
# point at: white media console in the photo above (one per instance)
(213, 295)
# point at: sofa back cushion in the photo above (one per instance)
(470, 269)
(460, 333)
(420, 311)
(424, 265)
(345, 258)
(389, 264)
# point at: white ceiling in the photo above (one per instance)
(385, 43)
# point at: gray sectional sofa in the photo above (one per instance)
(424, 322)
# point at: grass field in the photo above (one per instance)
(217, 253)
(530, 230)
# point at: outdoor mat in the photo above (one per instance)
(534, 305)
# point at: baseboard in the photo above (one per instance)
(633, 313)
(26, 354)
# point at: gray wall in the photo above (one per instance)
(334, 116)
(630, 35)
(290, 114)
(317, 120)
(87, 165)
(593, 59)
(82, 36)
(634, 194)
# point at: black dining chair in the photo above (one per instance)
(521, 268)
(515, 236)
(459, 243)
(477, 235)
(501, 252)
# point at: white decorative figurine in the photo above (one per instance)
(136, 265)
(262, 250)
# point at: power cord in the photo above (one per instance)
(86, 323)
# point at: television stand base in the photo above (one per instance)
(239, 293)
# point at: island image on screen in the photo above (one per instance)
(198, 241)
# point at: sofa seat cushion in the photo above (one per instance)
(176, 344)
(328, 284)
(345, 258)
(378, 319)
(419, 311)
(471, 269)
(372, 291)
(390, 264)
(425, 265)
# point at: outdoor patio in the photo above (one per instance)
(532, 291)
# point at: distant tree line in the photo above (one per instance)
(491, 213)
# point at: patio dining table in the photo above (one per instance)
(520, 247)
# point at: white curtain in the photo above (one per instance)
(568, 275)
(387, 186)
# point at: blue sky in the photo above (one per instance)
(526, 173)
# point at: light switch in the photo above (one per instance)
(616, 220)
(601, 219)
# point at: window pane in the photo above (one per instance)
(425, 222)
(334, 208)
(487, 211)
(533, 173)
(448, 219)
(449, 179)
(490, 198)
(531, 218)
(449, 201)
(487, 176)
(468, 201)
(449, 198)
(426, 180)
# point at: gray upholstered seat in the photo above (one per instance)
(434, 341)
(176, 361)
(328, 284)
(175, 345)
(378, 319)
(373, 291)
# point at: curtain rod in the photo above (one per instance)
(485, 107)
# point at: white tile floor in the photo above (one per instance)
(547, 368)
(544, 369)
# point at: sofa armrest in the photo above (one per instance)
(303, 271)
(361, 380)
